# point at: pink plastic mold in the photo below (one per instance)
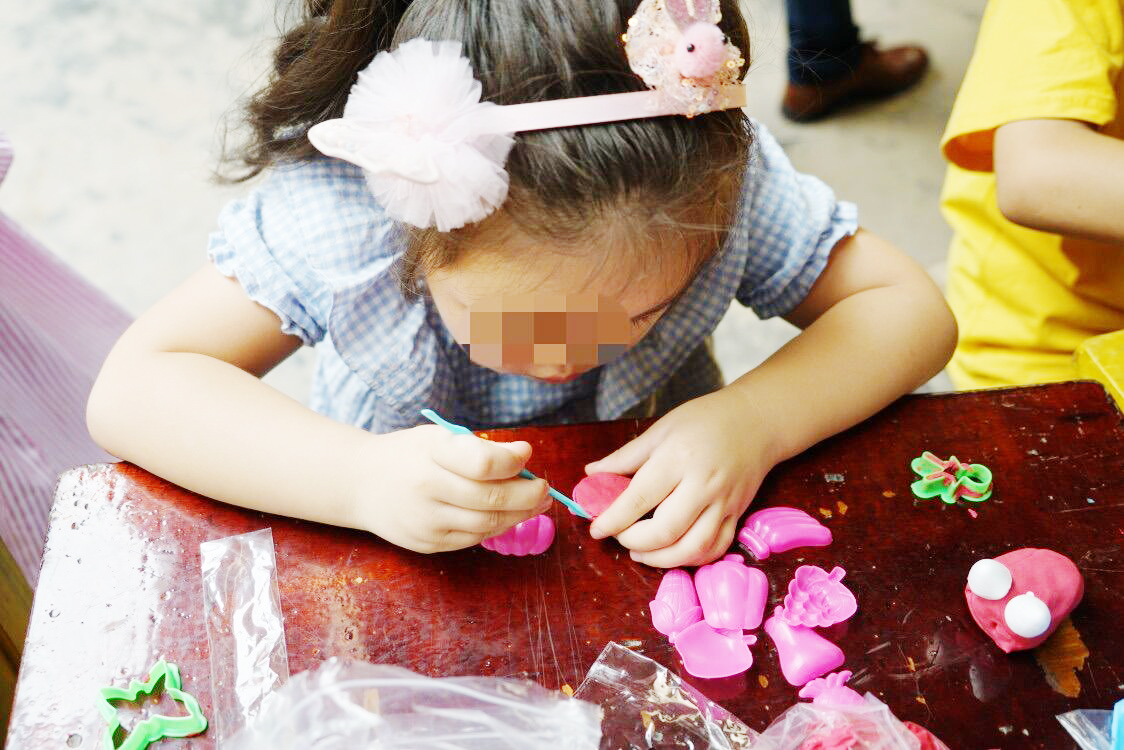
(781, 529)
(803, 653)
(676, 604)
(532, 537)
(711, 653)
(832, 691)
(817, 599)
(732, 594)
(597, 492)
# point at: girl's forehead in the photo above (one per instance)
(563, 283)
(548, 301)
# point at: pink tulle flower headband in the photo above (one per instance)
(434, 154)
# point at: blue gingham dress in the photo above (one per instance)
(312, 245)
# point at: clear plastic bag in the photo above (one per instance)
(1090, 728)
(244, 626)
(648, 706)
(342, 704)
(806, 726)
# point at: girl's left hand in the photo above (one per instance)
(699, 467)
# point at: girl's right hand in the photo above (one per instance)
(430, 490)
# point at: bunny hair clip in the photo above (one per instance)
(433, 154)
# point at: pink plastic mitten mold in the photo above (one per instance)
(832, 691)
(532, 537)
(732, 594)
(781, 529)
(597, 492)
(1020, 597)
(676, 604)
(711, 653)
(803, 653)
(817, 599)
(706, 651)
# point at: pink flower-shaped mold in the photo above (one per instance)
(732, 594)
(832, 691)
(780, 529)
(676, 604)
(817, 599)
(532, 537)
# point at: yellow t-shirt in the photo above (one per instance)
(1026, 299)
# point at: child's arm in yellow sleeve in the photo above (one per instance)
(1061, 176)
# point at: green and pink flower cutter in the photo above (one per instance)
(950, 480)
(152, 728)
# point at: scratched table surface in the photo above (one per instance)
(120, 584)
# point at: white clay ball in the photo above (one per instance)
(1027, 616)
(989, 579)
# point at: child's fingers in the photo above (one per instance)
(478, 459)
(627, 459)
(648, 488)
(498, 495)
(708, 539)
(485, 523)
(669, 523)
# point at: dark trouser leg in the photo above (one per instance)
(823, 40)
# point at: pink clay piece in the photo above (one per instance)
(817, 599)
(832, 691)
(732, 594)
(803, 653)
(597, 492)
(532, 537)
(780, 529)
(1050, 576)
(676, 604)
(710, 653)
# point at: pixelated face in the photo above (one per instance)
(550, 322)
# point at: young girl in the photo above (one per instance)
(577, 279)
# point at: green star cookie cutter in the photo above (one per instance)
(950, 480)
(154, 727)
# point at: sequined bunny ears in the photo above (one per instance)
(434, 154)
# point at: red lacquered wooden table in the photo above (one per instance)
(120, 583)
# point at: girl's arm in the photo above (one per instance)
(1061, 176)
(179, 395)
(875, 327)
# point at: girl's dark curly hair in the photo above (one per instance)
(564, 183)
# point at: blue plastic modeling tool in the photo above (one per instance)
(573, 507)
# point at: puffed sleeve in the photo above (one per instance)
(284, 240)
(790, 222)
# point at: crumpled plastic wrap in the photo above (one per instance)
(648, 706)
(1090, 728)
(345, 704)
(871, 726)
(242, 608)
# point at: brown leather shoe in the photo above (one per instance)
(879, 74)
